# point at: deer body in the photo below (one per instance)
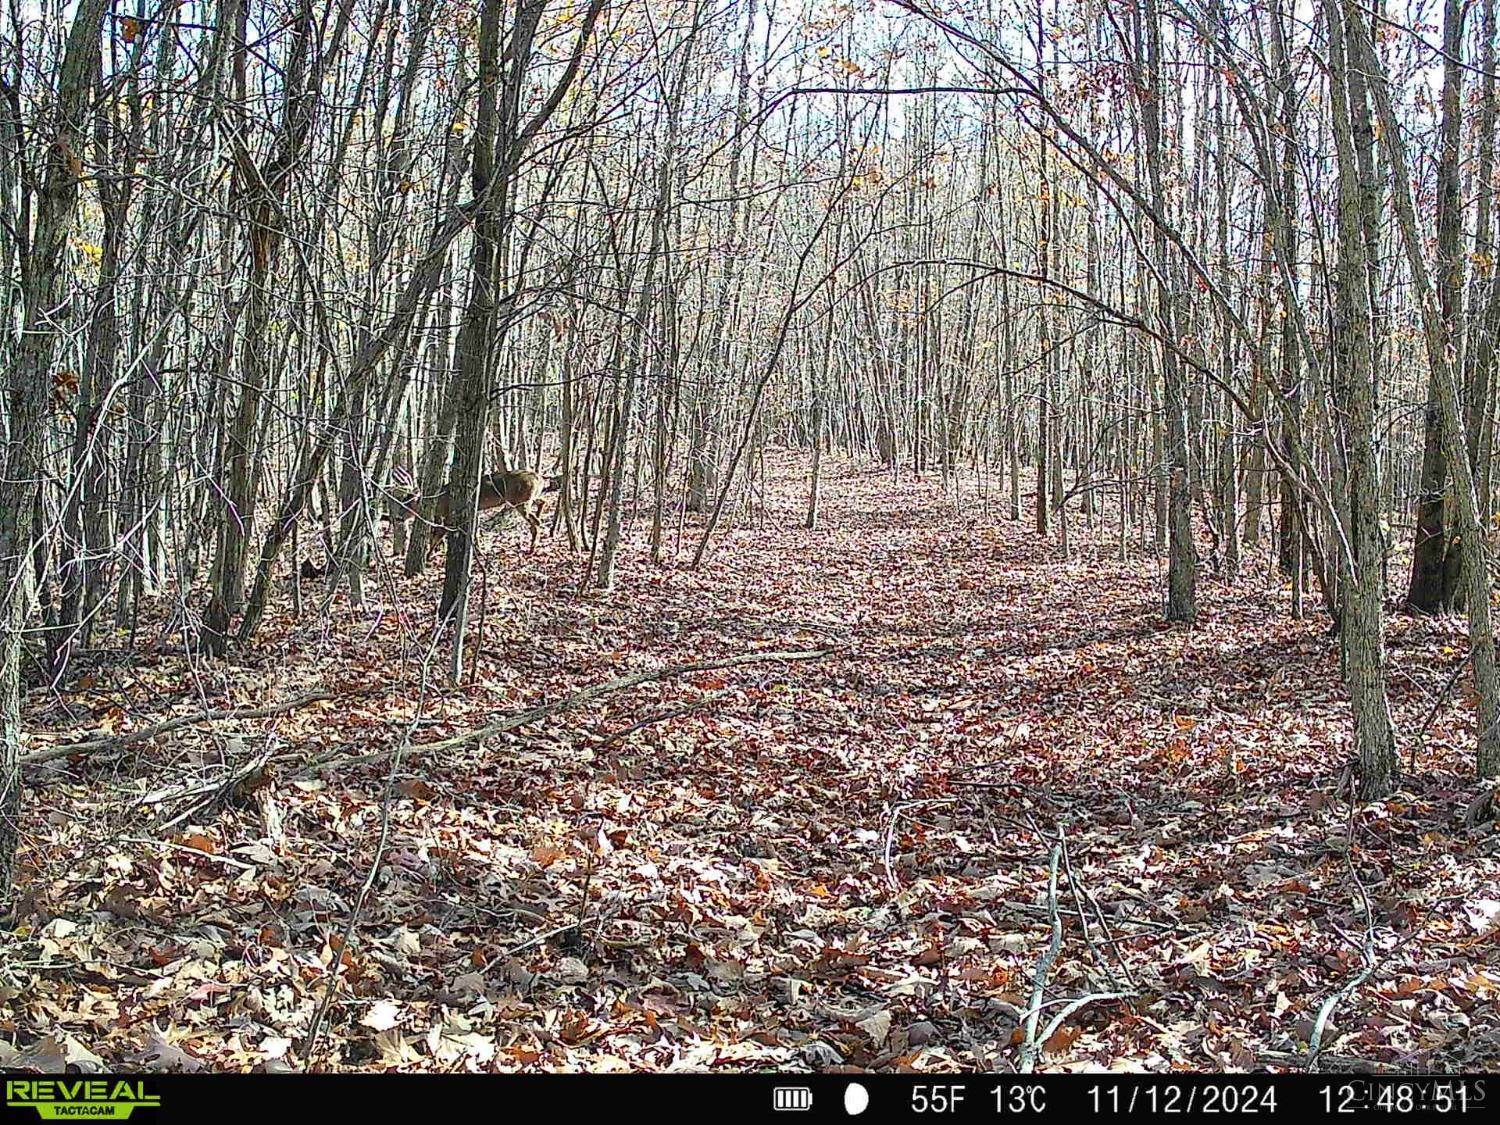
(521, 490)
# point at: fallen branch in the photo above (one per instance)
(1344, 1063)
(1037, 910)
(1080, 895)
(1325, 1010)
(1031, 1046)
(890, 834)
(568, 703)
(94, 745)
(1073, 1005)
(659, 717)
(239, 783)
(1367, 952)
(196, 853)
(1032, 1041)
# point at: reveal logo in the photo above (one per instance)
(56, 1099)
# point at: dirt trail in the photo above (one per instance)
(835, 862)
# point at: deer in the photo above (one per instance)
(521, 490)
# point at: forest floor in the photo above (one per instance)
(838, 861)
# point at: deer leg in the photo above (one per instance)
(534, 518)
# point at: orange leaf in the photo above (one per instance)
(1062, 1039)
(545, 855)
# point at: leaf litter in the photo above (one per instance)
(833, 863)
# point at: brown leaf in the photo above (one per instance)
(199, 843)
(416, 789)
(1061, 1039)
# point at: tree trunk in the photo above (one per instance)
(43, 266)
(1356, 471)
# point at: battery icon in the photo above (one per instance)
(786, 1099)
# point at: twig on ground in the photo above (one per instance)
(566, 703)
(1442, 697)
(196, 853)
(659, 717)
(1079, 895)
(890, 833)
(1030, 1045)
(1366, 948)
(531, 942)
(94, 745)
(387, 803)
(1341, 1063)
(1032, 1042)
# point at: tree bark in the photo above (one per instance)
(43, 264)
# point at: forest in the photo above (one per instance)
(918, 536)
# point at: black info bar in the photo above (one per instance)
(430, 1098)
